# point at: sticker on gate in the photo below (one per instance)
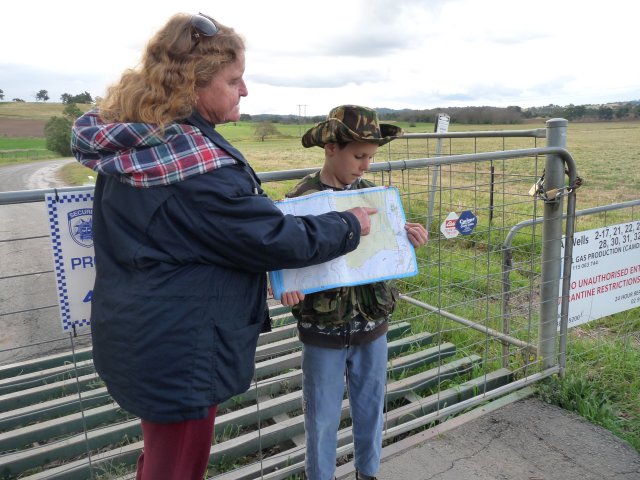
(466, 222)
(448, 227)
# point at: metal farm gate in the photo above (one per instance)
(485, 316)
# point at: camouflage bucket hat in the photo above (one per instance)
(349, 123)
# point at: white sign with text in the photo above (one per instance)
(70, 224)
(605, 272)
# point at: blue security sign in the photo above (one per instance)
(466, 222)
(70, 225)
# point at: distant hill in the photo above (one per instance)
(27, 119)
(615, 111)
(623, 110)
(35, 110)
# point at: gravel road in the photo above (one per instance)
(29, 315)
(32, 176)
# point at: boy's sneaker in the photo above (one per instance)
(362, 476)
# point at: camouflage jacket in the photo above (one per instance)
(343, 316)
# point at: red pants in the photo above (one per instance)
(176, 451)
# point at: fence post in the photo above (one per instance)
(551, 245)
(441, 126)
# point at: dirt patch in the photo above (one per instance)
(22, 128)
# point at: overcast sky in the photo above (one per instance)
(305, 57)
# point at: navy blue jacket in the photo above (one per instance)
(180, 292)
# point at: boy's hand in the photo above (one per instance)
(416, 233)
(290, 299)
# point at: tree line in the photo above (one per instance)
(66, 98)
(514, 114)
(484, 115)
(464, 115)
(58, 129)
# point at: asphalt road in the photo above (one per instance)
(29, 317)
(516, 438)
(32, 176)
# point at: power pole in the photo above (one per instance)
(302, 112)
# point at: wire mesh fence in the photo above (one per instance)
(466, 330)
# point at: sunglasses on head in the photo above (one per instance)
(203, 25)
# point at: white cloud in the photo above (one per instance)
(400, 54)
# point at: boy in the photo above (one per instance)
(343, 330)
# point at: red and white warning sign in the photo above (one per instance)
(448, 227)
(605, 272)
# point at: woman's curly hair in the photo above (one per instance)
(162, 89)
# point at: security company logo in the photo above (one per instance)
(81, 226)
(448, 227)
(466, 223)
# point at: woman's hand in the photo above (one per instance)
(417, 234)
(289, 299)
(362, 214)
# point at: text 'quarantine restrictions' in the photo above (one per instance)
(605, 272)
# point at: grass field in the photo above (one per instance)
(602, 383)
(34, 110)
(607, 153)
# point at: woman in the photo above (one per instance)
(183, 235)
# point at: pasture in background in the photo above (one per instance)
(462, 277)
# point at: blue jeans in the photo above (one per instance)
(323, 372)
